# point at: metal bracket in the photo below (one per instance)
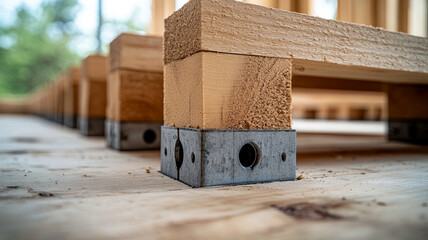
(70, 121)
(91, 126)
(132, 135)
(413, 131)
(227, 157)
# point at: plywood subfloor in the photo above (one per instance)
(55, 184)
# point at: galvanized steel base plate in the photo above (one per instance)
(228, 157)
(91, 126)
(132, 135)
(70, 121)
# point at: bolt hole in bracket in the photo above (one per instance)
(132, 135)
(228, 157)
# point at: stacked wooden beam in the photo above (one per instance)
(235, 70)
(135, 92)
(71, 97)
(92, 95)
(205, 45)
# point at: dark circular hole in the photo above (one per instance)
(164, 151)
(123, 136)
(192, 157)
(249, 155)
(149, 136)
(178, 153)
(283, 156)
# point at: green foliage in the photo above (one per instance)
(35, 47)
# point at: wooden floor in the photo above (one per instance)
(55, 184)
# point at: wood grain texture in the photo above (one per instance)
(234, 27)
(92, 98)
(135, 96)
(136, 52)
(92, 88)
(353, 187)
(227, 91)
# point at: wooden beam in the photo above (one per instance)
(92, 89)
(71, 96)
(361, 11)
(58, 92)
(325, 48)
(135, 96)
(228, 91)
(135, 52)
(135, 80)
(387, 14)
(265, 3)
(161, 9)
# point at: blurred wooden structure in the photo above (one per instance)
(161, 9)
(309, 103)
(71, 97)
(135, 79)
(134, 92)
(93, 95)
(14, 105)
(354, 53)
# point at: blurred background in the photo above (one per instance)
(41, 38)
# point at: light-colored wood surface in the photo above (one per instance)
(300, 81)
(92, 99)
(92, 88)
(228, 91)
(361, 11)
(94, 67)
(318, 46)
(55, 184)
(136, 52)
(135, 80)
(161, 9)
(135, 96)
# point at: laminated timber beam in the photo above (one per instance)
(134, 92)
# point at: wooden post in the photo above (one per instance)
(135, 92)
(58, 92)
(71, 97)
(92, 95)
(161, 9)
